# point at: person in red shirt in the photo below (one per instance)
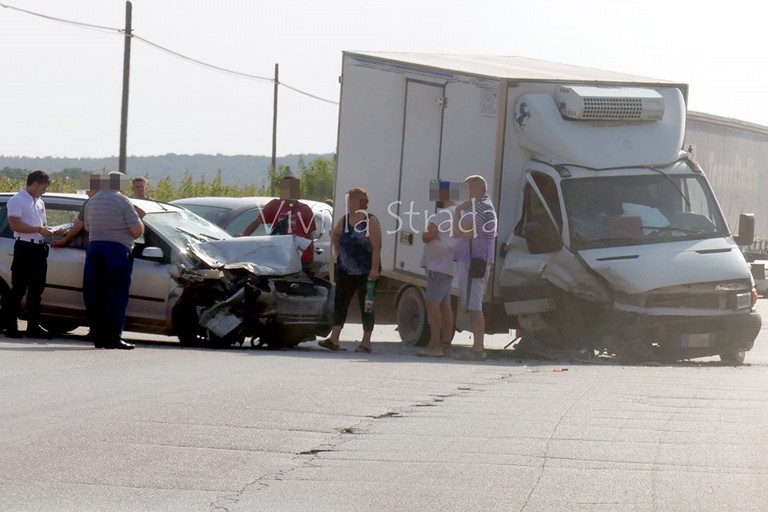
(288, 216)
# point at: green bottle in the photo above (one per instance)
(370, 296)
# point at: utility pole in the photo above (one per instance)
(274, 133)
(126, 75)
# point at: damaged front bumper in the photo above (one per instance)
(683, 337)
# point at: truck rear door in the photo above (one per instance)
(420, 164)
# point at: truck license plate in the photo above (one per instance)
(697, 340)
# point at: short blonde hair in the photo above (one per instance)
(476, 178)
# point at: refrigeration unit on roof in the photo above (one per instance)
(589, 103)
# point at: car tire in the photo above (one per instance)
(186, 318)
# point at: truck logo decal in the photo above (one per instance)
(522, 115)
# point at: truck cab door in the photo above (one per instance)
(535, 238)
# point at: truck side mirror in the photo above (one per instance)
(542, 237)
(746, 230)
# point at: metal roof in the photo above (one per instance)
(510, 67)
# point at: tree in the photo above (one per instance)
(164, 190)
(187, 186)
(217, 188)
(317, 178)
(273, 179)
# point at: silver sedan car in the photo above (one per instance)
(169, 231)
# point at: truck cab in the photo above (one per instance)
(640, 247)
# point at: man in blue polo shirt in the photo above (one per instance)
(26, 217)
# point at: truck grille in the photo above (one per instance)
(715, 296)
(679, 300)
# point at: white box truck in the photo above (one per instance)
(609, 234)
(732, 153)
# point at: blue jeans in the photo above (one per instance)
(106, 285)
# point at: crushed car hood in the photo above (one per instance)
(276, 255)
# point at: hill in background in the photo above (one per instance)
(239, 170)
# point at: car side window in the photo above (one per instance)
(150, 239)
(59, 214)
(5, 229)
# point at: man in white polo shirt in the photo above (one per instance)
(26, 217)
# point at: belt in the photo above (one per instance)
(30, 240)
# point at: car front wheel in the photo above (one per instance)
(186, 319)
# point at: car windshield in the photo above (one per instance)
(636, 210)
(183, 227)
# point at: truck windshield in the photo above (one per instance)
(635, 210)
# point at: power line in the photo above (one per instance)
(308, 94)
(62, 20)
(170, 52)
(201, 63)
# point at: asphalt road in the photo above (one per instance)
(172, 429)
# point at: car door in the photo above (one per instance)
(63, 295)
(6, 244)
(152, 288)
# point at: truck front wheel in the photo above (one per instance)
(735, 357)
(412, 321)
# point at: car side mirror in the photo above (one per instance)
(542, 238)
(152, 253)
(746, 230)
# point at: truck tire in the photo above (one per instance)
(412, 321)
(736, 357)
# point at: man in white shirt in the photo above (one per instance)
(26, 217)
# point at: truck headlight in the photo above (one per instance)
(741, 300)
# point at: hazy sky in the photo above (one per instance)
(61, 84)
